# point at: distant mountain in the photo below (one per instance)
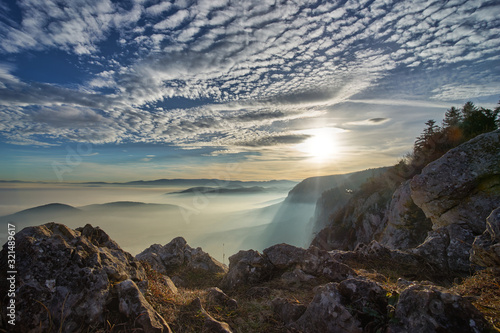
(118, 204)
(218, 183)
(186, 183)
(64, 213)
(49, 208)
(44, 213)
(112, 206)
(224, 190)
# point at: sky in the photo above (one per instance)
(253, 90)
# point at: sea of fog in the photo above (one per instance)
(222, 224)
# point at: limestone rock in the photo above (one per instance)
(210, 324)
(363, 293)
(177, 253)
(486, 247)
(406, 224)
(423, 308)
(170, 285)
(327, 313)
(283, 256)
(287, 311)
(448, 248)
(297, 264)
(68, 279)
(215, 296)
(297, 276)
(376, 250)
(463, 186)
(136, 309)
(321, 263)
(247, 268)
(305, 265)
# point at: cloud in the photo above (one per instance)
(250, 67)
(172, 21)
(159, 8)
(368, 122)
(73, 26)
(378, 120)
(457, 91)
(253, 116)
(276, 140)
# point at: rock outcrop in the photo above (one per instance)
(217, 297)
(208, 323)
(133, 305)
(70, 280)
(327, 313)
(463, 186)
(457, 192)
(292, 264)
(168, 258)
(405, 223)
(448, 248)
(486, 247)
(247, 268)
(362, 305)
(424, 308)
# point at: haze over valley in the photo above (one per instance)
(138, 216)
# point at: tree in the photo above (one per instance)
(468, 109)
(479, 121)
(451, 126)
(452, 117)
(424, 140)
(459, 125)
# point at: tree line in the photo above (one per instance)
(458, 126)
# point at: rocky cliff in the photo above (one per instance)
(436, 215)
(299, 216)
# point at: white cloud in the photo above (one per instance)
(240, 56)
(159, 8)
(454, 92)
(172, 21)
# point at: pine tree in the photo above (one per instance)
(452, 117)
(468, 109)
(477, 121)
(424, 139)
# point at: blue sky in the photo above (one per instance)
(144, 89)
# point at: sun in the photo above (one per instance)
(322, 144)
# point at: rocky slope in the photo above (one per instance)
(435, 215)
(81, 281)
(75, 280)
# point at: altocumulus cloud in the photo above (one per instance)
(229, 73)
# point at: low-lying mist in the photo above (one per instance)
(137, 217)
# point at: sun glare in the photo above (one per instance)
(322, 145)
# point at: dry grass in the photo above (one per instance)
(387, 271)
(256, 314)
(168, 304)
(483, 289)
(252, 315)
